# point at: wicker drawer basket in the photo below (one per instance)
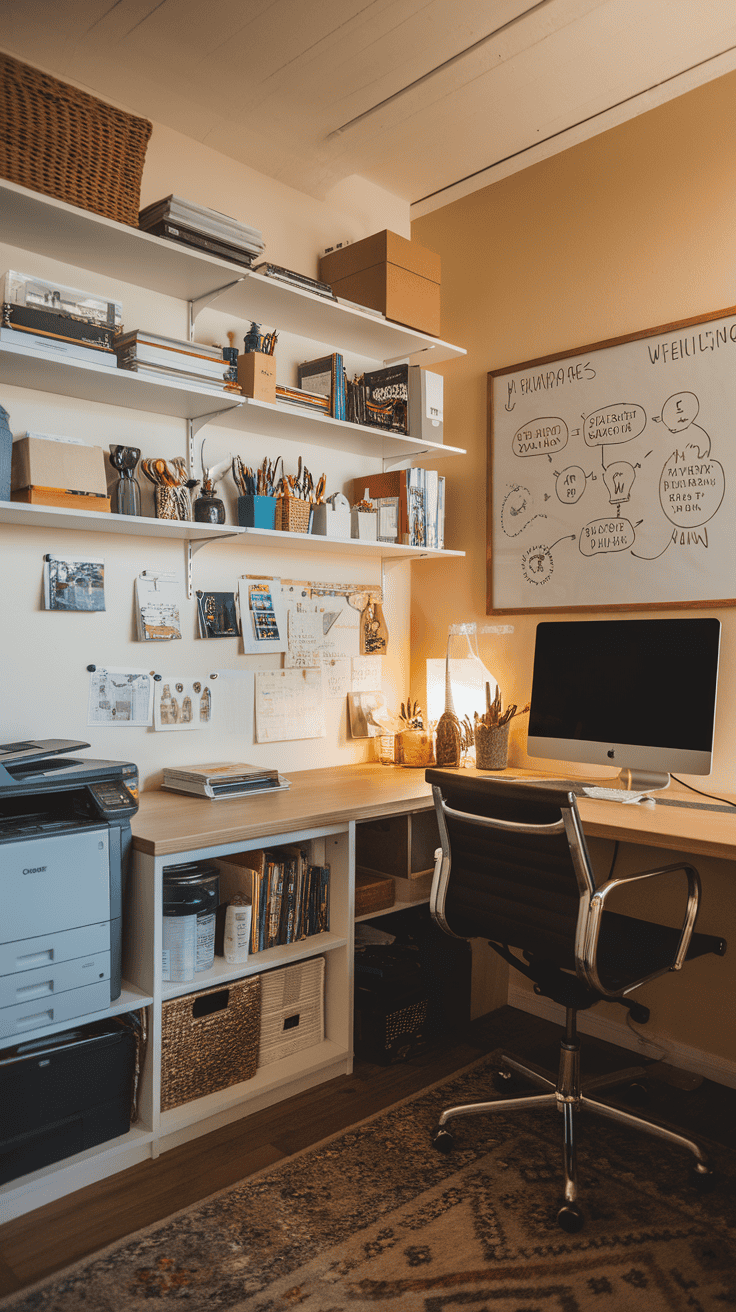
(292, 515)
(65, 143)
(209, 1041)
(293, 1009)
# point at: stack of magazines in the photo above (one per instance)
(206, 230)
(307, 400)
(222, 780)
(171, 360)
(52, 320)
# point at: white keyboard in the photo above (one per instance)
(614, 795)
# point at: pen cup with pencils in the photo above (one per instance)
(257, 365)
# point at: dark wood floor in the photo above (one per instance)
(52, 1237)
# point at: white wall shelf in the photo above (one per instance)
(290, 423)
(98, 521)
(60, 231)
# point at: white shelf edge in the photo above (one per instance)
(223, 973)
(285, 419)
(306, 1062)
(137, 1137)
(361, 546)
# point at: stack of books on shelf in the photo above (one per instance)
(419, 499)
(205, 230)
(307, 400)
(326, 377)
(59, 322)
(289, 895)
(293, 279)
(170, 360)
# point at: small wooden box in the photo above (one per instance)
(372, 892)
(257, 376)
(54, 496)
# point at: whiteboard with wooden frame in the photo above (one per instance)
(612, 473)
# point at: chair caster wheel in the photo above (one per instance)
(638, 1093)
(703, 1181)
(505, 1083)
(443, 1140)
(570, 1218)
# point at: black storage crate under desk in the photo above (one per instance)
(391, 1005)
(63, 1094)
(209, 1040)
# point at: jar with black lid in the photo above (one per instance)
(191, 895)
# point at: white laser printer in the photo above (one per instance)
(65, 840)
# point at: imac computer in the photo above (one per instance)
(638, 695)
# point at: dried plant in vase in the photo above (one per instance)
(449, 735)
(416, 742)
(491, 732)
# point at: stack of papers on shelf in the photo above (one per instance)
(223, 780)
(166, 357)
(206, 230)
(308, 400)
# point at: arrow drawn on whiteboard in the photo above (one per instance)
(568, 537)
(659, 553)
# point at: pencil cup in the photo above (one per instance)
(492, 746)
(256, 512)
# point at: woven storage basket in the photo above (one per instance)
(292, 1010)
(67, 144)
(292, 515)
(209, 1041)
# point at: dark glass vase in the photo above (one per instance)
(126, 493)
(209, 509)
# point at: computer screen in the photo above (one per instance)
(638, 695)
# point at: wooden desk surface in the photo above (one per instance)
(171, 822)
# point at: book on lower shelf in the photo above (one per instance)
(289, 894)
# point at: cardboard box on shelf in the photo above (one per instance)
(42, 463)
(257, 376)
(389, 273)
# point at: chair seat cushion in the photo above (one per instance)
(629, 949)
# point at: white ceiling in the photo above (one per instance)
(430, 99)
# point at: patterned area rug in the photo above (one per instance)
(375, 1218)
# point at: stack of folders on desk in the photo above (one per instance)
(205, 230)
(222, 780)
(289, 895)
(171, 360)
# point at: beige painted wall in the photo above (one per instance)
(626, 231)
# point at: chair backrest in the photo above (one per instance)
(515, 868)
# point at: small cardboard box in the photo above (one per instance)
(42, 463)
(389, 273)
(257, 375)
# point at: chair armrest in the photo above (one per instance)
(595, 917)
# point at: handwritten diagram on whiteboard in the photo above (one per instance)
(613, 474)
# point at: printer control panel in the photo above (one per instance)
(114, 798)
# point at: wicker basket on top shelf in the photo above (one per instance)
(65, 143)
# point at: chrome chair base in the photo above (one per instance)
(570, 1095)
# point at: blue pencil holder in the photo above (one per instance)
(256, 512)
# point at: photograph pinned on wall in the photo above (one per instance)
(370, 716)
(181, 702)
(120, 696)
(218, 616)
(72, 583)
(158, 602)
(263, 615)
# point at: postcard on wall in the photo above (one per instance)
(369, 714)
(289, 704)
(158, 602)
(305, 638)
(336, 677)
(73, 583)
(181, 702)
(263, 619)
(218, 616)
(120, 696)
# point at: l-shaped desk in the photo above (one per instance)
(320, 809)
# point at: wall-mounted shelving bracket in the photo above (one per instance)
(193, 427)
(201, 302)
(194, 545)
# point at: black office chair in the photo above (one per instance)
(514, 869)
